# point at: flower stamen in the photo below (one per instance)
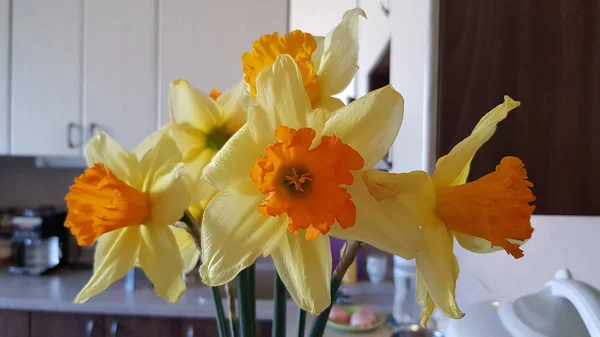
(214, 94)
(297, 180)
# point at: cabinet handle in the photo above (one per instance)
(89, 328)
(93, 129)
(190, 331)
(385, 7)
(114, 327)
(70, 129)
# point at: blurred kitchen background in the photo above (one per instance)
(69, 68)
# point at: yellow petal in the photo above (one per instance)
(233, 162)
(453, 168)
(193, 170)
(398, 235)
(437, 265)
(199, 191)
(329, 103)
(122, 163)
(475, 244)
(260, 126)
(116, 253)
(188, 140)
(161, 261)
(369, 124)
(197, 209)
(158, 154)
(414, 189)
(193, 108)
(162, 171)
(339, 62)
(318, 53)
(316, 120)
(169, 198)
(280, 93)
(235, 103)
(234, 234)
(189, 253)
(149, 142)
(424, 300)
(305, 268)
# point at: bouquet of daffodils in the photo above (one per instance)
(274, 167)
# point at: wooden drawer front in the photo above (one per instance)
(14, 323)
(126, 326)
(51, 324)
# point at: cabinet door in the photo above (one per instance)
(46, 77)
(545, 54)
(4, 71)
(203, 41)
(14, 323)
(208, 328)
(51, 324)
(122, 326)
(199, 328)
(120, 94)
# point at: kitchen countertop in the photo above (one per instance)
(56, 292)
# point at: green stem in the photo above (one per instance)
(246, 319)
(233, 327)
(301, 322)
(280, 301)
(221, 325)
(352, 247)
(252, 273)
(192, 228)
(231, 297)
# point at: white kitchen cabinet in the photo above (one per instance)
(120, 69)
(83, 66)
(4, 74)
(203, 42)
(46, 77)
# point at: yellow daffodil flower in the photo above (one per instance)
(493, 211)
(327, 64)
(200, 125)
(289, 175)
(126, 201)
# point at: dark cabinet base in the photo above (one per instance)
(14, 323)
(54, 324)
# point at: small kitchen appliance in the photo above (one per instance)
(563, 307)
(39, 243)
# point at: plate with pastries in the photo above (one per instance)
(354, 319)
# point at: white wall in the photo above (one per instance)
(557, 242)
(413, 74)
(373, 36)
(24, 185)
